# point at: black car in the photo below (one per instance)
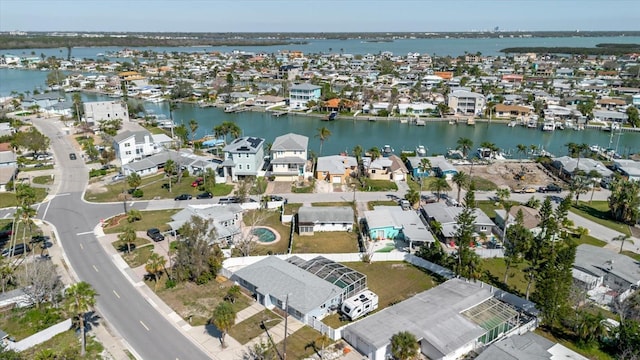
(278, 198)
(72, 156)
(204, 195)
(155, 234)
(39, 238)
(229, 200)
(183, 197)
(550, 188)
(18, 249)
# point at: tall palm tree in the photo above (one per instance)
(522, 149)
(580, 150)
(155, 267)
(436, 227)
(224, 317)
(169, 168)
(424, 167)
(464, 144)
(460, 179)
(439, 185)
(81, 299)
(579, 185)
(128, 237)
(357, 152)
(374, 153)
(323, 134)
(193, 126)
(404, 346)
(622, 238)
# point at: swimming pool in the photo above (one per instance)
(264, 235)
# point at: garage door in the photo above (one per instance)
(336, 180)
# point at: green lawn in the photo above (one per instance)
(27, 169)
(631, 254)
(250, 329)
(494, 268)
(378, 185)
(598, 212)
(66, 345)
(326, 242)
(336, 203)
(290, 209)
(489, 207)
(8, 199)
(590, 240)
(371, 204)
(300, 343)
(21, 323)
(272, 220)
(150, 219)
(483, 184)
(152, 189)
(139, 256)
(139, 242)
(43, 180)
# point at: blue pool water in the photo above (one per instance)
(264, 235)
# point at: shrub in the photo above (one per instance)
(138, 193)
(170, 284)
(97, 172)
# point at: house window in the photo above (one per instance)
(248, 167)
(127, 144)
(239, 166)
(127, 152)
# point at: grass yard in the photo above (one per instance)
(138, 256)
(631, 254)
(483, 184)
(150, 219)
(8, 199)
(590, 240)
(493, 270)
(272, 220)
(335, 203)
(568, 341)
(290, 209)
(300, 344)
(378, 185)
(64, 345)
(250, 329)
(598, 212)
(43, 180)
(152, 188)
(198, 301)
(489, 207)
(371, 204)
(21, 323)
(27, 169)
(326, 242)
(139, 242)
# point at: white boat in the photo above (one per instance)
(512, 123)
(386, 150)
(611, 127)
(155, 99)
(549, 126)
(421, 151)
(454, 154)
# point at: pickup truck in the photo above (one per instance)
(550, 188)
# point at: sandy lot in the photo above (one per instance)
(503, 173)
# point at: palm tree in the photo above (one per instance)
(323, 134)
(622, 238)
(193, 126)
(424, 167)
(134, 215)
(81, 299)
(522, 149)
(128, 237)
(374, 153)
(439, 185)
(169, 168)
(357, 152)
(594, 177)
(460, 179)
(580, 150)
(404, 346)
(579, 185)
(436, 227)
(155, 267)
(224, 317)
(464, 144)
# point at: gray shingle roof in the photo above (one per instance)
(325, 214)
(335, 164)
(528, 346)
(139, 136)
(447, 214)
(412, 226)
(289, 142)
(243, 145)
(304, 86)
(278, 278)
(599, 262)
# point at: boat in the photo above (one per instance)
(512, 123)
(420, 123)
(332, 116)
(471, 121)
(549, 126)
(611, 127)
(454, 154)
(421, 151)
(386, 150)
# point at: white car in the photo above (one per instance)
(118, 177)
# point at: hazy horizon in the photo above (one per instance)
(329, 16)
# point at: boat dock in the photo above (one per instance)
(279, 113)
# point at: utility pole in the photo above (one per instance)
(286, 317)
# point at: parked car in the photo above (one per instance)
(5, 235)
(183, 197)
(229, 200)
(118, 177)
(550, 188)
(72, 156)
(39, 238)
(197, 182)
(204, 195)
(155, 234)
(529, 189)
(18, 249)
(278, 198)
(38, 165)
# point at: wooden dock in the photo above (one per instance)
(279, 113)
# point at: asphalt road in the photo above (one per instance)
(141, 325)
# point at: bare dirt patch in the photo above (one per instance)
(505, 174)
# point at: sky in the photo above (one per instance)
(317, 16)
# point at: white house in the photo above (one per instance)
(301, 94)
(226, 220)
(466, 102)
(97, 111)
(134, 145)
(324, 218)
(289, 156)
(243, 157)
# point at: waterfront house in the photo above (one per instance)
(324, 218)
(447, 217)
(43, 101)
(635, 101)
(442, 167)
(606, 275)
(244, 157)
(465, 102)
(414, 167)
(503, 111)
(387, 168)
(528, 345)
(567, 166)
(8, 168)
(628, 168)
(226, 221)
(394, 223)
(96, 111)
(301, 94)
(134, 145)
(289, 157)
(277, 283)
(336, 169)
(530, 217)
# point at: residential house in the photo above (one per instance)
(503, 111)
(134, 145)
(268, 100)
(628, 168)
(455, 324)
(530, 346)
(96, 111)
(243, 157)
(606, 275)
(226, 220)
(530, 217)
(447, 217)
(8, 168)
(611, 103)
(43, 101)
(289, 157)
(394, 223)
(336, 169)
(324, 218)
(465, 102)
(440, 167)
(6, 129)
(276, 283)
(635, 101)
(301, 94)
(387, 168)
(567, 166)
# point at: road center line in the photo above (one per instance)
(118, 296)
(145, 326)
(81, 246)
(95, 268)
(84, 233)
